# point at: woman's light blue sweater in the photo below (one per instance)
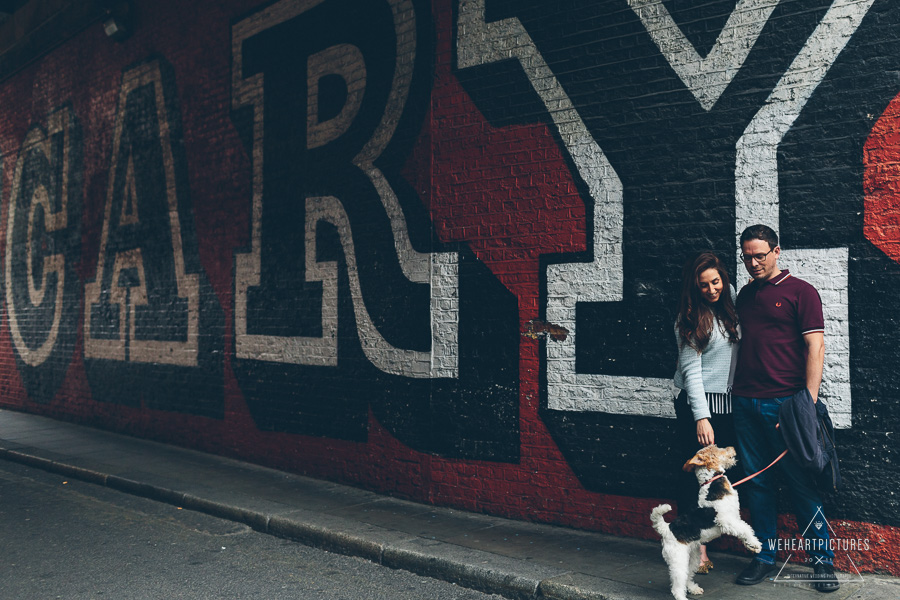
(709, 372)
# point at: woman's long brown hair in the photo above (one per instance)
(696, 317)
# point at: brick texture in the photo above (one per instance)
(433, 249)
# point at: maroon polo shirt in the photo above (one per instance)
(774, 316)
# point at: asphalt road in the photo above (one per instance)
(67, 539)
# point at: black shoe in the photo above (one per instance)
(826, 581)
(754, 573)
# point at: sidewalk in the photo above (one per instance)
(511, 558)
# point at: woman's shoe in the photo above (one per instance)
(705, 567)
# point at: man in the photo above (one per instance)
(782, 351)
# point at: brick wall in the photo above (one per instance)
(434, 249)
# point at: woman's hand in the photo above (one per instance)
(705, 433)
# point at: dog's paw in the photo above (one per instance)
(694, 589)
(754, 546)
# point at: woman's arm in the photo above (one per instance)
(691, 366)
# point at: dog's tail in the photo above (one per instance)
(659, 524)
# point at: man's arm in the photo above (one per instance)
(815, 360)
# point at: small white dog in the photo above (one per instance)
(718, 513)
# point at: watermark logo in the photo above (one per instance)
(815, 541)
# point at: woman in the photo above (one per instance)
(707, 333)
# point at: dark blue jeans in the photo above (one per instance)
(758, 445)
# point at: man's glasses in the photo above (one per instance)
(760, 258)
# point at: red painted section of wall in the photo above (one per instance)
(881, 181)
(509, 194)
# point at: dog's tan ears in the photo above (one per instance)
(694, 462)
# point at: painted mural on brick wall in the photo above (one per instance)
(434, 248)
(343, 293)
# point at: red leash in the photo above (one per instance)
(749, 477)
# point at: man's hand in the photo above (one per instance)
(705, 433)
(815, 360)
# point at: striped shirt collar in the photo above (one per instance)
(778, 279)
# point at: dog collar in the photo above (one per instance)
(749, 477)
(714, 478)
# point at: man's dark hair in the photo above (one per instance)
(760, 232)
